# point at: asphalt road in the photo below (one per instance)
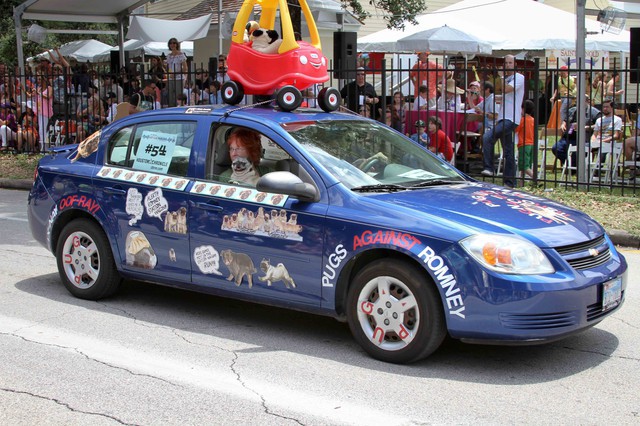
(153, 355)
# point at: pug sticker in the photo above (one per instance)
(139, 252)
(239, 265)
(275, 273)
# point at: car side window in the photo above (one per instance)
(241, 162)
(119, 146)
(163, 148)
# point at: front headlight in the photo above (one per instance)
(507, 254)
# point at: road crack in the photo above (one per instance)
(66, 405)
(266, 409)
(78, 351)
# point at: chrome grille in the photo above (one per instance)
(586, 255)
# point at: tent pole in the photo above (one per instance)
(121, 40)
(580, 52)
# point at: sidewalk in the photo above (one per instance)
(619, 237)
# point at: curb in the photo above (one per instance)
(25, 184)
(618, 237)
(624, 239)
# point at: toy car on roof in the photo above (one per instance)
(296, 66)
(348, 218)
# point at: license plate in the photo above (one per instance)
(611, 294)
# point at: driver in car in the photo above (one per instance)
(244, 149)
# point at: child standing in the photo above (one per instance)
(440, 143)
(525, 140)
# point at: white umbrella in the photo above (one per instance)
(443, 39)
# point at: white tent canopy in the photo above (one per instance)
(140, 48)
(81, 50)
(506, 25)
(150, 29)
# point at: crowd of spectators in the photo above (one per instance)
(58, 100)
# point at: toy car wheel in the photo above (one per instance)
(329, 99)
(395, 312)
(288, 98)
(232, 92)
(85, 261)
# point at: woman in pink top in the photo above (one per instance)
(44, 107)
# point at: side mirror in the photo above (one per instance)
(289, 184)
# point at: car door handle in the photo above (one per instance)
(114, 190)
(208, 206)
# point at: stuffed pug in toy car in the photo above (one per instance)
(265, 41)
(249, 29)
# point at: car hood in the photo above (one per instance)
(470, 208)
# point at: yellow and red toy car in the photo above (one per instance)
(297, 65)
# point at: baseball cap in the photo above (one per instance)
(564, 67)
(420, 123)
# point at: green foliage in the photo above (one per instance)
(8, 42)
(396, 12)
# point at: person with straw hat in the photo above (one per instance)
(450, 99)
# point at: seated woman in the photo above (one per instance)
(244, 149)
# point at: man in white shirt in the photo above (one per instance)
(608, 127)
(109, 85)
(510, 96)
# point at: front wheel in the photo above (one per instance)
(395, 313)
(85, 261)
(232, 92)
(329, 99)
(288, 98)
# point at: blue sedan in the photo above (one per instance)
(328, 213)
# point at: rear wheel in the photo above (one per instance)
(288, 98)
(85, 261)
(329, 99)
(395, 313)
(232, 92)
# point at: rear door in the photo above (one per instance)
(143, 189)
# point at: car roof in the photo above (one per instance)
(259, 113)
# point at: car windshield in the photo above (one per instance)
(367, 154)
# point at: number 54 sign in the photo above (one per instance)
(155, 152)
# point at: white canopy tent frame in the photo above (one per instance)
(105, 12)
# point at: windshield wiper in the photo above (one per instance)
(437, 182)
(379, 188)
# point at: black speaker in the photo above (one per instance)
(213, 67)
(345, 54)
(634, 48)
(115, 61)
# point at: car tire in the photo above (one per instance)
(232, 92)
(329, 99)
(288, 98)
(383, 325)
(85, 261)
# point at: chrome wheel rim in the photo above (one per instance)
(81, 260)
(388, 313)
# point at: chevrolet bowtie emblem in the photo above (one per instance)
(593, 252)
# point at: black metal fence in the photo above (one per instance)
(55, 105)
